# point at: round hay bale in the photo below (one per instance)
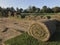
(18, 16)
(41, 16)
(57, 17)
(42, 30)
(49, 17)
(37, 17)
(44, 17)
(27, 17)
(30, 17)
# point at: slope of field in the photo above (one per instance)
(25, 39)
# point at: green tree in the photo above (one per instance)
(12, 11)
(32, 9)
(4, 12)
(56, 9)
(0, 9)
(21, 10)
(26, 11)
(44, 9)
(49, 10)
(37, 10)
(9, 13)
(17, 11)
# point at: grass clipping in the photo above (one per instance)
(42, 30)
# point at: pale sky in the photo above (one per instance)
(25, 3)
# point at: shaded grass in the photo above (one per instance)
(55, 37)
(25, 39)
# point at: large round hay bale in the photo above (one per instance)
(42, 30)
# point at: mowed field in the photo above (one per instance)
(25, 39)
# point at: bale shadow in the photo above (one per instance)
(56, 36)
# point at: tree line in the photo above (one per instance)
(31, 9)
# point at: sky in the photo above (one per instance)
(26, 3)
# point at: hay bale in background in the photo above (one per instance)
(30, 17)
(27, 17)
(44, 17)
(42, 30)
(33, 17)
(49, 17)
(37, 17)
(57, 17)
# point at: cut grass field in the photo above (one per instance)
(25, 39)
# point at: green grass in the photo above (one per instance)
(25, 39)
